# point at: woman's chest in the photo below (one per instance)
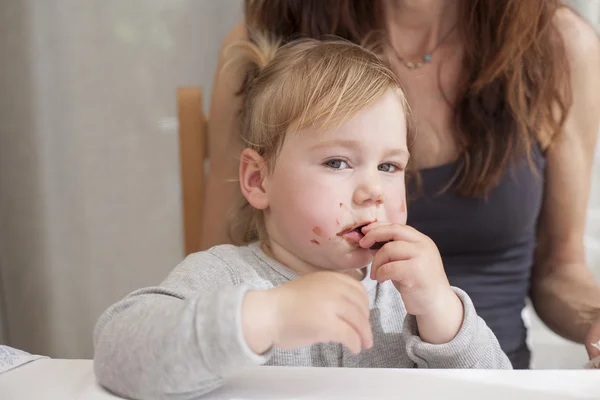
(505, 218)
(433, 117)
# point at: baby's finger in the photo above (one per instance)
(370, 227)
(391, 252)
(353, 315)
(345, 334)
(354, 291)
(397, 271)
(388, 233)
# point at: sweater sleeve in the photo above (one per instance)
(178, 340)
(474, 346)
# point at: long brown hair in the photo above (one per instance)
(516, 88)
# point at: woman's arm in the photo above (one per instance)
(564, 292)
(224, 146)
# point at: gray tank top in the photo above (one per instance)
(487, 244)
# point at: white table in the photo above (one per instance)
(74, 379)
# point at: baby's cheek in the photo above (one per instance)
(318, 231)
(403, 219)
(328, 228)
(398, 214)
(404, 211)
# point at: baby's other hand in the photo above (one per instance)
(317, 308)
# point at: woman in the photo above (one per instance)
(505, 97)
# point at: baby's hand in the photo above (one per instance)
(316, 308)
(413, 263)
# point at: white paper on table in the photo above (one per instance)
(12, 358)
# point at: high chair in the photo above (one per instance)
(193, 152)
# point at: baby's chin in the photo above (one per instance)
(356, 259)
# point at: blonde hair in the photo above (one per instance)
(305, 83)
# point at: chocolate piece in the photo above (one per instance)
(378, 245)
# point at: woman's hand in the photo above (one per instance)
(413, 263)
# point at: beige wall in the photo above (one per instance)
(89, 200)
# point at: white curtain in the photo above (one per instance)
(89, 173)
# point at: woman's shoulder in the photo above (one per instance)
(235, 34)
(580, 39)
(582, 52)
(582, 49)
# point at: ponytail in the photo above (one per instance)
(245, 224)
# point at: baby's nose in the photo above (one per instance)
(368, 193)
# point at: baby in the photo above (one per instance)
(329, 275)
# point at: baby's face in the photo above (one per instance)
(327, 182)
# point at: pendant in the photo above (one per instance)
(411, 65)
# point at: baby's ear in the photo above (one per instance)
(253, 172)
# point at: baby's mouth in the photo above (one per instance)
(353, 233)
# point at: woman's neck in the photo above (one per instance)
(416, 26)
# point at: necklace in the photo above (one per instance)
(427, 57)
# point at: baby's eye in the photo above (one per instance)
(336, 164)
(388, 167)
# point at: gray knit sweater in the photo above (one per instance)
(184, 338)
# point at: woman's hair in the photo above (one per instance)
(515, 85)
(302, 84)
